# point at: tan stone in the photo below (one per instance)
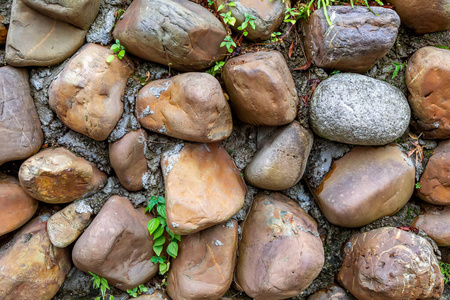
(435, 180)
(181, 33)
(157, 295)
(428, 81)
(390, 264)
(128, 159)
(435, 221)
(281, 160)
(366, 184)
(261, 88)
(424, 16)
(31, 267)
(117, 245)
(280, 253)
(37, 40)
(20, 129)
(58, 176)
(205, 263)
(86, 96)
(203, 187)
(16, 206)
(68, 224)
(189, 106)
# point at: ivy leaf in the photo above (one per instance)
(115, 48)
(153, 225)
(221, 6)
(172, 249)
(177, 237)
(161, 200)
(157, 249)
(161, 209)
(154, 259)
(110, 59)
(158, 232)
(162, 221)
(159, 241)
(232, 4)
(162, 268)
(121, 54)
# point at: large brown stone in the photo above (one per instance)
(280, 253)
(203, 187)
(281, 160)
(178, 32)
(424, 16)
(16, 206)
(37, 40)
(390, 264)
(435, 180)
(261, 88)
(20, 129)
(428, 81)
(435, 221)
(31, 267)
(87, 94)
(189, 106)
(334, 292)
(358, 38)
(58, 176)
(80, 13)
(128, 159)
(205, 264)
(117, 246)
(366, 184)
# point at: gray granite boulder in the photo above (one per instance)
(356, 109)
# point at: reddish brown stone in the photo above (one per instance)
(205, 263)
(203, 187)
(31, 267)
(128, 159)
(366, 184)
(435, 221)
(261, 88)
(435, 181)
(16, 206)
(390, 264)
(117, 246)
(428, 81)
(189, 106)
(86, 96)
(58, 176)
(280, 253)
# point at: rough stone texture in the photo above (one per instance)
(205, 263)
(80, 13)
(435, 221)
(424, 16)
(203, 187)
(68, 224)
(281, 160)
(280, 253)
(189, 106)
(16, 206)
(37, 40)
(127, 157)
(86, 96)
(428, 81)
(366, 184)
(20, 130)
(356, 109)
(32, 268)
(268, 14)
(435, 181)
(358, 38)
(58, 176)
(261, 88)
(117, 246)
(156, 295)
(389, 263)
(179, 32)
(334, 292)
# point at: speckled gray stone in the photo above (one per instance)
(356, 109)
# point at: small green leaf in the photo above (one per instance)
(115, 48)
(221, 6)
(111, 297)
(117, 42)
(158, 232)
(245, 33)
(162, 221)
(232, 4)
(161, 200)
(154, 259)
(157, 249)
(172, 249)
(143, 288)
(153, 225)
(162, 268)
(104, 282)
(161, 209)
(121, 54)
(97, 298)
(160, 241)
(110, 59)
(177, 237)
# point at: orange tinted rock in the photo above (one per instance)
(428, 81)
(261, 88)
(3, 33)
(31, 267)
(58, 176)
(435, 221)
(205, 263)
(189, 106)
(366, 184)
(390, 264)
(86, 96)
(435, 181)
(16, 206)
(203, 187)
(128, 159)
(280, 253)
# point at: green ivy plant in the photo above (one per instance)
(216, 69)
(117, 49)
(418, 186)
(445, 270)
(228, 43)
(249, 20)
(102, 284)
(137, 290)
(156, 227)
